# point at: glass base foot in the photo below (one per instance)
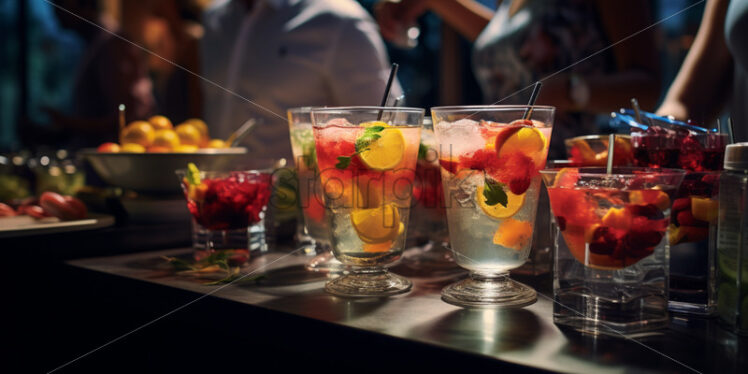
(591, 326)
(489, 292)
(370, 284)
(325, 263)
(701, 310)
(628, 314)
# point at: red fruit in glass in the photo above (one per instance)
(232, 202)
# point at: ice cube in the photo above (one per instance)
(460, 137)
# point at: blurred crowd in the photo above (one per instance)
(229, 60)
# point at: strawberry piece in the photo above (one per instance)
(649, 211)
(449, 165)
(683, 203)
(686, 218)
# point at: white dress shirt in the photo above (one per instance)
(288, 53)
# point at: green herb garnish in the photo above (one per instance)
(370, 135)
(494, 193)
(309, 155)
(218, 260)
(193, 174)
(423, 151)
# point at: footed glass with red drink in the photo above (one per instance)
(692, 229)
(229, 206)
(610, 273)
(367, 158)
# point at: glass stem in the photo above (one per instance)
(488, 277)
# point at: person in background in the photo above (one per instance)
(715, 72)
(175, 41)
(111, 72)
(562, 42)
(280, 54)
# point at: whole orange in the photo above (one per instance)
(199, 124)
(132, 147)
(189, 134)
(216, 143)
(138, 132)
(160, 123)
(166, 138)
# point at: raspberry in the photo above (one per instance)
(604, 241)
(519, 186)
(691, 154)
(561, 222)
(514, 169)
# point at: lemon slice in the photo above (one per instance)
(386, 152)
(376, 225)
(513, 205)
(367, 194)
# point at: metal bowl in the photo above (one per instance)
(154, 172)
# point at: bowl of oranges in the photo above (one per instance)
(149, 151)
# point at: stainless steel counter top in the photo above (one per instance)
(524, 336)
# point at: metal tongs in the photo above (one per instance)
(240, 133)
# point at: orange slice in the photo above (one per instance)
(513, 205)
(513, 234)
(379, 247)
(526, 140)
(704, 209)
(658, 198)
(566, 177)
(617, 218)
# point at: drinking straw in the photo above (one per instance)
(628, 120)
(730, 130)
(611, 148)
(121, 121)
(637, 111)
(398, 100)
(393, 72)
(533, 97)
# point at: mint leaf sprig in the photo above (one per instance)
(370, 135)
(217, 261)
(493, 192)
(423, 151)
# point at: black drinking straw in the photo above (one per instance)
(635, 105)
(731, 130)
(393, 72)
(533, 97)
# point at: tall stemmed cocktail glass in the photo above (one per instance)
(490, 158)
(367, 158)
(611, 271)
(315, 230)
